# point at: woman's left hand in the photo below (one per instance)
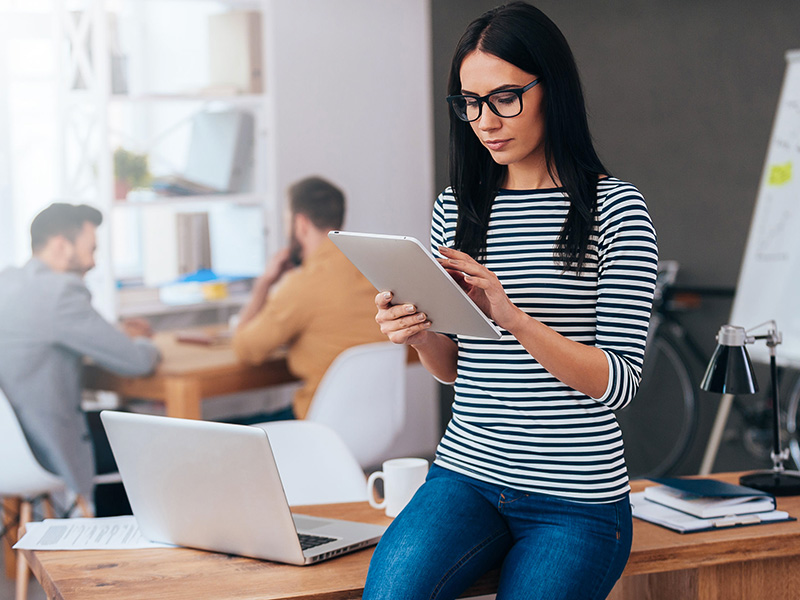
(482, 286)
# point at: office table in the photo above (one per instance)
(756, 562)
(189, 373)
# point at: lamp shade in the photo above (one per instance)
(730, 372)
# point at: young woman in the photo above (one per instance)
(530, 474)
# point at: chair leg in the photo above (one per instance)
(47, 506)
(11, 506)
(84, 506)
(25, 516)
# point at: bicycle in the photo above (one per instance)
(661, 421)
(791, 422)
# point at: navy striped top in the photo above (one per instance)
(513, 423)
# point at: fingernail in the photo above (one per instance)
(387, 295)
(426, 324)
(421, 317)
(410, 308)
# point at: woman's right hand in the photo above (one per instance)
(401, 323)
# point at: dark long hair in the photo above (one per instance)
(524, 36)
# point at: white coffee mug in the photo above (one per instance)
(401, 479)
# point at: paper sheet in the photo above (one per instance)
(684, 523)
(107, 533)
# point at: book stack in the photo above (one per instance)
(690, 505)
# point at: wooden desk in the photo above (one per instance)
(189, 373)
(757, 562)
(749, 562)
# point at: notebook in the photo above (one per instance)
(708, 498)
(216, 486)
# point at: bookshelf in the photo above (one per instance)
(130, 85)
(345, 94)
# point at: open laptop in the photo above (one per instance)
(215, 486)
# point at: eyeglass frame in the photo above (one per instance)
(485, 100)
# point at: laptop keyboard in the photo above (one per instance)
(312, 541)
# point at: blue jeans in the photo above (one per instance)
(456, 528)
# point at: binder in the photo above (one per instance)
(709, 498)
(682, 522)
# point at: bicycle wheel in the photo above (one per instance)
(659, 424)
(791, 424)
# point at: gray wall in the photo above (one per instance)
(681, 96)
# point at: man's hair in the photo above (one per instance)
(319, 200)
(62, 219)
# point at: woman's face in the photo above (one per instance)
(517, 142)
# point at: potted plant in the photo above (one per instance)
(130, 172)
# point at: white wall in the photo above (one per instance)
(352, 85)
(351, 80)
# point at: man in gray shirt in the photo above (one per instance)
(47, 327)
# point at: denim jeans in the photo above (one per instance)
(456, 528)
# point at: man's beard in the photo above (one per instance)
(77, 268)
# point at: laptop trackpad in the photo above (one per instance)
(305, 523)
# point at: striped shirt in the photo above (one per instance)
(513, 423)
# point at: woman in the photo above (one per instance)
(530, 474)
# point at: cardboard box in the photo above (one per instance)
(234, 50)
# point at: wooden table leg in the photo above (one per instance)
(183, 398)
(11, 507)
(23, 572)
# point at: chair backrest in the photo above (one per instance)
(363, 398)
(21, 475)
(315, 465)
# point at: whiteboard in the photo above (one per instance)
(769, 280)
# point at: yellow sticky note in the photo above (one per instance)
(780, 174)
(215, 290)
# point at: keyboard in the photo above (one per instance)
(312, 541)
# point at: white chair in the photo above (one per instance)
(315, 465)
(23, 477)
(362, 397)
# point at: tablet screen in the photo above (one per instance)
(403, 266)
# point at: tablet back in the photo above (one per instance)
(402, 265)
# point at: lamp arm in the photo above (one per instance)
(778, 456)
(773, 326)
(773, 336)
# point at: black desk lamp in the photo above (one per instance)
(731, 372)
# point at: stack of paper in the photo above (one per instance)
(687, 505)
(106, 533)
(707, 498)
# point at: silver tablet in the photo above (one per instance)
(403, 266)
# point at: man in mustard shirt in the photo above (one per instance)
(319, 308)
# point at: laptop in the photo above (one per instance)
(216, 486)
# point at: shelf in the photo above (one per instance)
(253, 200)
(155, 307)
(227, 99)
(234, 4)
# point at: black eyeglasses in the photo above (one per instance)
(505, 103)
